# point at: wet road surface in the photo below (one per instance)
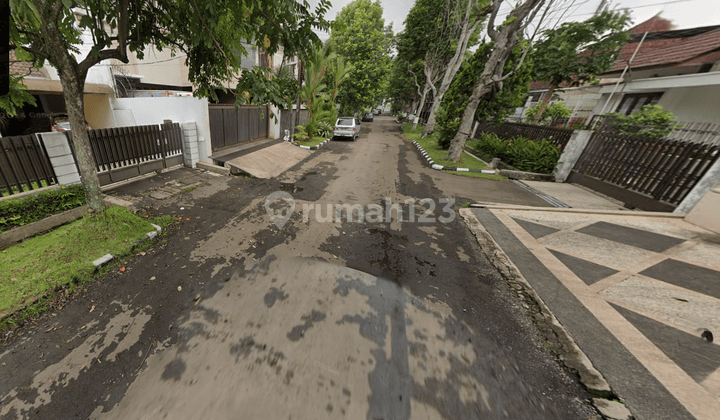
(232, 316)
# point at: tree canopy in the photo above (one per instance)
(207, 31)
(360, 37)
(504, 37)
(576, 52)
(496, 105)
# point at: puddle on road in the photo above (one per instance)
(290, 187)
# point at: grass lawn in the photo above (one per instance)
(312, 142)
(437, 154)
(65, 255)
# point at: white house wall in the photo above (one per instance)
(156, 67)
(146, 111)
(581, 101)
(693, 104)
(98, 112)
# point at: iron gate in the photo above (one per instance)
(125, 152)
(650, 174)
(229, 126)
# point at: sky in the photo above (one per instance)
(683, 13)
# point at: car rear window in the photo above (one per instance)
(345, 121)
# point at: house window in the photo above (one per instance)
(633, 102)
(705, 68)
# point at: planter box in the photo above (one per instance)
(23, 232)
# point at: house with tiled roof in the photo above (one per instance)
(678, 69)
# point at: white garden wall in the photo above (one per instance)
(145, 111)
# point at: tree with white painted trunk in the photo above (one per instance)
(432, 28)
(504, 37)
(466, 28)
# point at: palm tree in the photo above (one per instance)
(320, 62)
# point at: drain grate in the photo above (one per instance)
(548, 198)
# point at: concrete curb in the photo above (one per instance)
(221, 170)
(311, 147)
(23, 232)
(31, 192)
(449, 168)
(576, 360)
(105, 259)
(526, 176)
(109, 200)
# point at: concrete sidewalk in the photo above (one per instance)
(635, 290)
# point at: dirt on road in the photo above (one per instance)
(235, 316)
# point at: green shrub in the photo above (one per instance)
(650, 121)
(324, 129)
(22, 211)
(301, 133)
(538, 156)
(554, 111)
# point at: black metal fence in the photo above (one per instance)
(506, 130)
(664, 170)
(24, 165)
(124, 152)
(692, 132)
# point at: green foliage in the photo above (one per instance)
(552, 112)
(575, 52)
(301, 133)
(361, 39)
(495, 106)
(16, 97)
(261, 86)
(539, 156)
(22, 211)
(401, 84)
(325, 129)
(650, 121)
(429, 144)
(325, 74)
(577, 124)
(209, 32)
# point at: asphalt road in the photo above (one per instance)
(233, 316)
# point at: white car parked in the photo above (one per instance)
(347, 127)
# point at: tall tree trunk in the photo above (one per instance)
(453, 66)
(430, 126)
(72, 78)
(421, 105)
(73, 87)
(456, 146)
(544, 103)
(505, 38)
